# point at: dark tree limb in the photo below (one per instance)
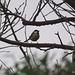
(43, 23)
(37, 45)
(71, 3)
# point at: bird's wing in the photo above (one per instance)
(29, 37)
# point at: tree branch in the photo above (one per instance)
(43, 23)
(37, 45)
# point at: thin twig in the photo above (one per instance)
(11, 71)
(59, 38)
(7, 47)
(67, 54)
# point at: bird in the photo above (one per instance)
(34, 36)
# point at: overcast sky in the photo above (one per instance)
(47, 33)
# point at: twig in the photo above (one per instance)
(67, 54)
(59, 38)
(33, 57)
(70, 34)
(4, 51)
(39, 9)
(67, 30)
(11, 71)
(8, 3)
(15, 31)
(40, 3)
(7, 47)
(43, 16)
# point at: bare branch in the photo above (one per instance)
(50, 22)
(37, 45)
(59, 37)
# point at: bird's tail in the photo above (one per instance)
(26, 40)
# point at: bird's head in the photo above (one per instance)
(36, 31)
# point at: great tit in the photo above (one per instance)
(34, 36)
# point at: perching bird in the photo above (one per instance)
(34, 36)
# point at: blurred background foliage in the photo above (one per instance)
(41, 69)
